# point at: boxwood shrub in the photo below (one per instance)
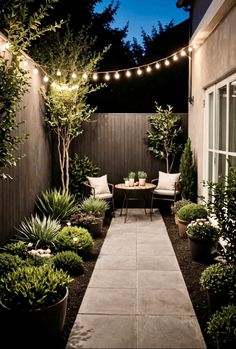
(68, 261)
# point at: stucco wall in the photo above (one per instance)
(211, 62)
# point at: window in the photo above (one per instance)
(220, 128)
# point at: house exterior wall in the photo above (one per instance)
(213, 61)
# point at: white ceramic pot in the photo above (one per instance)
(142, 181)
(131, 182)
(127, 183)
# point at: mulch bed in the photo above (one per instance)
(191, 273)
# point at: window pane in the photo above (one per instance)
(232, 117)
(210, 166)
(220, 165)
(232, 160)
(220, 128)
(210, 126)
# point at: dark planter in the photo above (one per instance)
(217, 300)
(95, 228)
(40, 325)
(201, 249)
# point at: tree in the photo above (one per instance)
(165, 138)
(21, 28)
(188, 173)
(66, 99)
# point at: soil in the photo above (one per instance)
(191, 272)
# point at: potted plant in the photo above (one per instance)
(176, 206)
(221, 328)
(131, 177)
(34, 301)
(188, 213)
(142, 177)
(218, 280)
(203, 238)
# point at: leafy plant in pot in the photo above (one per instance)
(203, 238)
(142, 175)
(131, 177)
(188, 213)
(221, 328)
(34, 302)
(176, 206)
(218, 280)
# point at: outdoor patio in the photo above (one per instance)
(137, 297)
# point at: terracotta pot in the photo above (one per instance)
(176, 220)
(182, 226)
(43, 324)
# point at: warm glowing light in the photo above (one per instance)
(58, 73)
(6, 46)
(195, 46)
(175, 58)
(46, 78)
(85, 76)
(190, 49)
(128, 74)
(167, 62)
(25, 63)
(117, 75)
(183, 53)
(139, 71)
(53, 84)
(107, 77)
(158, 66)
(95, 76)
(73, 75)
(148, 69)
(35, 71)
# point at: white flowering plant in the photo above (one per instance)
(203, 229)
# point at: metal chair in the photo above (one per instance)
(90, 191)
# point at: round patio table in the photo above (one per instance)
(128, 190)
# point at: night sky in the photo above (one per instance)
(144, 14)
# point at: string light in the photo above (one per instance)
(25, 63)
(128, 74)
(58, 73)
(183, 53)
(107, 77)
(175, 58)
(46, 78)
(117, 75)
(167, 62)
(158, 66)
(73, 75)
(139, 71)
(95, 76)
(85, 76)
(190, 49)
(35, 71)
(148, 69)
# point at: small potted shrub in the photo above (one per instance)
(203, 238)
(176, 206)
(131, 177)
(188, 213)
(34, 301)
(142, 177)
(219, 282)
(221, 328)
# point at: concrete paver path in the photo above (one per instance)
(136, 297)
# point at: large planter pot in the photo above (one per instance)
(40, 325)
(182, 227)
(216, 300)
(201, 249)
(95, 228)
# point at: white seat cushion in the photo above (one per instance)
(165, 192)
(103, 196)
(166, 181)
(100, 184)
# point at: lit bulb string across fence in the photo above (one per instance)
(106, 75)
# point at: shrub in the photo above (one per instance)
(142, 174)
(16, 248)
(82, 218)
(131, 174)
(219, 278)
(221, 328)
(41, 232)
(30, 288)
(9, 262)
(191, 212)
(75, 239)
(80, 168)
(176, 206)
(57, 204)
(94, 206)
(203, 229)
(69, 261)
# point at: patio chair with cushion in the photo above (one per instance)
(98, 187)
(168, 188)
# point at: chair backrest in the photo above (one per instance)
(98, 185)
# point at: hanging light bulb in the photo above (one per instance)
(58, 73)
(190, 49)
(35, 71)
(85, 76)
(148, 69)
(195, 46)
(46, 78)
(128, 73)
(117, 75)
(53, 84)
(183, 53)
(107, 77)
(95, 76)
(167, 62)
(175, 58)
(157, 66)
(139, 71)
(73, 75)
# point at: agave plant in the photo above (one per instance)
(94, 206)
(57, 204)
(40, 232)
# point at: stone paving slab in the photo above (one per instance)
(136, 297)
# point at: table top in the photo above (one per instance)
(135, 187)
